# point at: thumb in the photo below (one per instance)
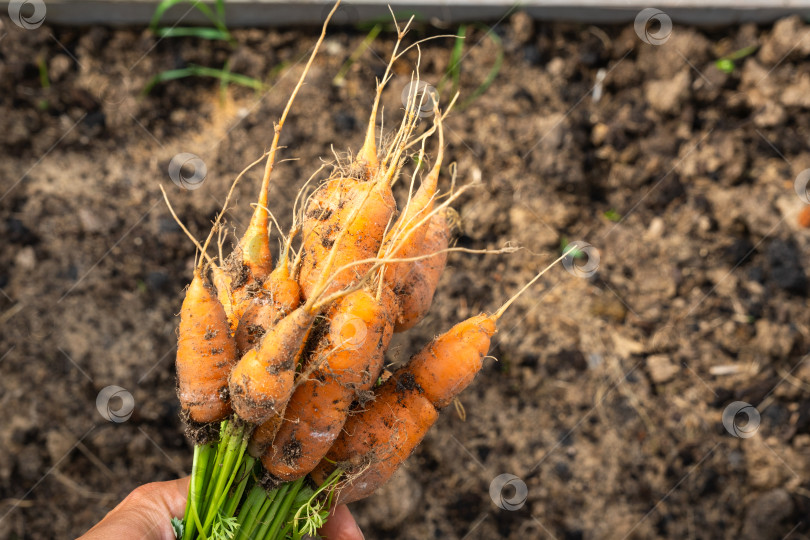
(144, 513)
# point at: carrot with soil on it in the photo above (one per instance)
(359, 203)
(417, 287)
(279, 296)
(405, 238)
(205, 349)
(378, 439)
(345, 363)
(253, 249)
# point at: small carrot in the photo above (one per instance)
(314, 416)
(254, 247)
(262, 381)
(406, 237)
(280, 295)
(375, 442)
(205, 348)
(361, 203)
(417, 287)
(205, 353)
(360, 209)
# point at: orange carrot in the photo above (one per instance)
(361, 211)
(406, 237)
(375, 441)
(205, 353)
(313, 419)
(416, 289)
(205, 348)
(280, 294)
(262, 381)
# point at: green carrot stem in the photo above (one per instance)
(252, 509)
(224, 476)
(199, 472)
(194, 467)
(224, 439)
(244, 475)
(230, 472)
(265, 515)
(283, 512)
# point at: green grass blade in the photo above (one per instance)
(493, 72)
(214, 34)
(236, 78)
(356, 54)
(201, 71)
(165, 5)
(456, 55)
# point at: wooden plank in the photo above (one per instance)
(284, 12)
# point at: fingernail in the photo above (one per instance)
(359, 531)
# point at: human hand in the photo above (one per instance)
(341, 525)
(147, 512)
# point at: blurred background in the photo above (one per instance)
(654, 386)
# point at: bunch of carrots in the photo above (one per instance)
(281, 368)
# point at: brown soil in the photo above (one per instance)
(607, 395)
